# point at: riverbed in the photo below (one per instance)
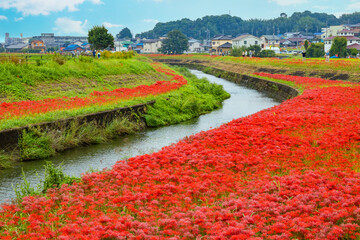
(75, 162)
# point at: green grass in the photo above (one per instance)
(23, 81)
(199, 96)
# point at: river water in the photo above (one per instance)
(243, 102)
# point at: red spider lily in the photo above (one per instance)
(288, 172)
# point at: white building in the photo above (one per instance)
(331, 31)
(152, 45)
(348, 34)
(246, 40)
(195, 46)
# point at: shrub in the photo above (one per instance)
(267, 53)
(61, 60)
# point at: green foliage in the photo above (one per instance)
(232, 25)
(53, 178)
(267, 53)
(99, 38)
(35, 81)
(199, 96)
(353, 51)
(35, 144)
(59, 59)
(315, 50)
(306, 44)
(125, 33)
(176, 43)
(238, 51)
(339, 47)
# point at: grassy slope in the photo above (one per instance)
(74, 78)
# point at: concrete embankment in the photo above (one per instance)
(9, 138)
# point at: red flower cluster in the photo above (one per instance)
(288, 172)
(25, 108)
(306, 82)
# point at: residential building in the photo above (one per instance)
(13, 41)
(246, 40)
(225, 49)
(195, 46)
(16, 47)
(152, 45)
(331, 31)
(219, 40)
(348, 34)
(51, 40)
(73, 48)
(38, 45)
(269, 41)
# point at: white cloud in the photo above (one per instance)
(111, 25)
(289, 2)
(69, 26)
(2, 17)
(151, 21)
(18, 19)
(354, 6)
(43, 7)
(97, 2)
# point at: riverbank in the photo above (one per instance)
(167, 106)
(336, 69)
(284, 172)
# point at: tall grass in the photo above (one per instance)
(37, 143)
(199, 96)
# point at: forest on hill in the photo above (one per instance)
(202, 28)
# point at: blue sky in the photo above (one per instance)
(75, 17)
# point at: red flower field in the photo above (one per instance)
(288, 172)
(28, 108)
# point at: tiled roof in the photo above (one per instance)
(355, 45)
(347, 37)
(226, 45)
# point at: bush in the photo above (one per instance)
(35, 144)
(267, 53)
(315, 50)
(61, 60)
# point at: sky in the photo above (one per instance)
(76, 17)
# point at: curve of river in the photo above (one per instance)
(243, 102)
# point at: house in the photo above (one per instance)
(195, 46)
(86, 46)
(355, 45)
(17, 47)
(74, 48)
(297, 42)
(38, 45)
(331, 31)
(152, 45)
(270, 41)
(219, 40)
(246, 40)
(225, 49)
(348, 34)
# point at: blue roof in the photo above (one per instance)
(84, 44)
(140, 44)
(72, 47)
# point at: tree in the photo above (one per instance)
(124, 33)
(306, 44)
(339, 47)
(315, 50)
(283, 15)
(99, 38)
(175, 43)
(353, 52)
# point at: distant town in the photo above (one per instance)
(289, 42)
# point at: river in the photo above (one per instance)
(243, 102)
